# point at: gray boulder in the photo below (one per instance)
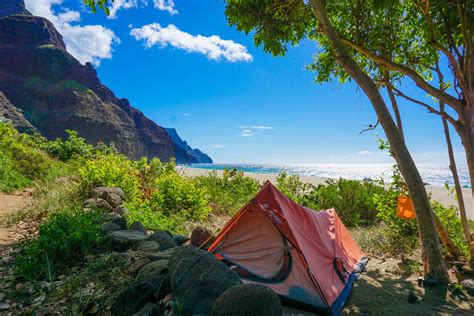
(126, 239)
(108, 227)
(164, 239)
(133, 298)
(468, 285)
(113, 199)
(148, 246)
(149, 309)
(121, 210)
(248, 299)
(135, 266)
(152, 269)
(103, 191)
(138, 227)
(197, 279)
(159, 255)
(98, 203)
(119, 220)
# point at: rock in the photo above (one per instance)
(135, 266)
(201, 238)
(148, 246)
(98, 203)
(467, 270)
(121, 210)
(119, 220)
(102, 192)
(152, 269)
(133, 298)
(126, 239)
(180, 239)
(412, 297)
(122, 257)
(248, 299)
(138, 227)
(149, 309)
(198, 279)
(108, 227)
(165, 254)
(468, 285)
(164, 239)
(113, 199)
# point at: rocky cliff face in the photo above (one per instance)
(184, 153)
(54, 91)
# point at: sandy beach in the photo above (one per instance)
(439, 194)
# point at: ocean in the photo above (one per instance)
(433, 174)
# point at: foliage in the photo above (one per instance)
(111, 169)
(63, 239)
(227, 193)
(451, 221)
(352, 199)
(21, 161)
(73, 146)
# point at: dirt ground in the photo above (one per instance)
(10, 203)
(383, 290)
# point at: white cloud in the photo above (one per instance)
(364, 153)
(247, 134)
(217, 146)
(125, 5)
(88, 43)
(185, 114)
(165, 5)
(261, 128)
(248, 131)
(213, 47)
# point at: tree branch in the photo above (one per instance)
(428, 107)
(370, 127)
(445, 97)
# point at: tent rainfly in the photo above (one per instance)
(306, 257)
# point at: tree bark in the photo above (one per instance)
(396, 110)
(457, 184)
(424, 214)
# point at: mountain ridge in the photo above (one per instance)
(54, 91)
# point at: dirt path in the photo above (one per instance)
(9, 204)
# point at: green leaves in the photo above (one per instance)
(98, 4)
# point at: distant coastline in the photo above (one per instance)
(434, 174)
(437, 192)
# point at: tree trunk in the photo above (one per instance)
(457, 185)
(445, 239)
(396, 110)
(424, 214)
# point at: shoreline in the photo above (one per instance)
(438, 193)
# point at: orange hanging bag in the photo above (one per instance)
(405, 208)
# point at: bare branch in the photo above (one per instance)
(370, 127)
(420, 82)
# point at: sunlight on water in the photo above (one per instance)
(433, 174)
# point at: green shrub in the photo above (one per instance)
(72, 146)
(226, 194)
(452, 223)
(352, 199)
(63, 239)
(111, 169)
(21, 160)
(176, 195)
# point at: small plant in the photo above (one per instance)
(111, 169)
(227, 193)
(64, 150)
(63, 239)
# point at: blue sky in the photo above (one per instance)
(226, 96)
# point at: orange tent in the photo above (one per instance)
(305, 256)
